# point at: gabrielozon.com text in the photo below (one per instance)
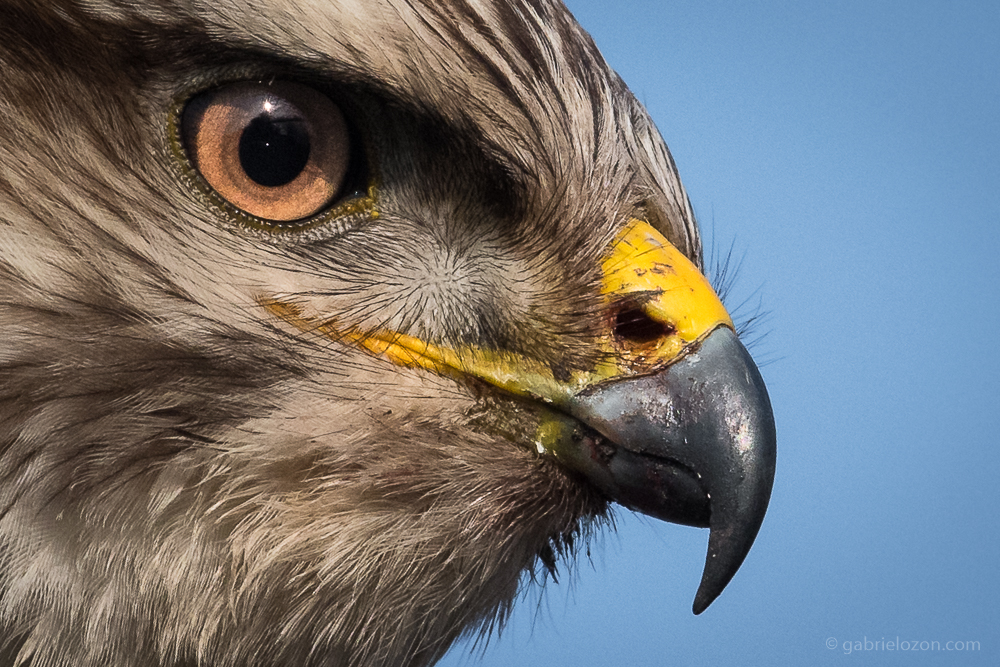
(893, 644)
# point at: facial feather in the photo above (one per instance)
(186, 480)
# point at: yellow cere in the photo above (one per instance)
(641, 267)
(669, 286)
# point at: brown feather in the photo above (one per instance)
(186, 481)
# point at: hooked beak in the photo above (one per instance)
(674, 420)
(692, 444)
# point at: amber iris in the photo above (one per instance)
(279, 151)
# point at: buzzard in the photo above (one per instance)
(323, 323)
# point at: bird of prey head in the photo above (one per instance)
(322, 323)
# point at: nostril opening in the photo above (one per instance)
(635, 326)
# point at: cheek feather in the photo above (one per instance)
(327, 328)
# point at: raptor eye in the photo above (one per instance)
(279, 151)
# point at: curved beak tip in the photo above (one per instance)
(708, 418)
(741, 485)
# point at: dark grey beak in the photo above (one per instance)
(692, 444)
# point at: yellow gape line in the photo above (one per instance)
(643, 272)
(514, 373)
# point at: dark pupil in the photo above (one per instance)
(273, 151)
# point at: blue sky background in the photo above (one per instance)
(851, 153)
